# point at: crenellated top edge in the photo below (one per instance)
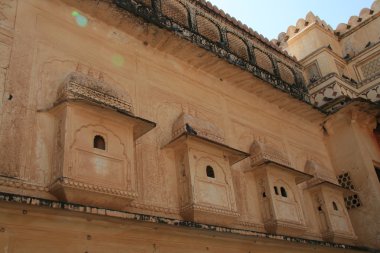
(302, 24)
(354, 20)
(342, 28)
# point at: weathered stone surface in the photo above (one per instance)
(82, 83)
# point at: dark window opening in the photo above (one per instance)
(210, 171)
(283, 192)
(320, 208)
(377, 173)
(335, 206)
(99, 142)
(264, 195)
(276, 190)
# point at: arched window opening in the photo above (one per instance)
(210, 171)
(335, 206)
(283, 192)
(276, 190)
(264, 195)
(99, 142)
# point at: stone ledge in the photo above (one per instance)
(32, 201)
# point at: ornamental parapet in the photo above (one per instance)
(211, 29)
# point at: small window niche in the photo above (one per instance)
(377, 170)
(99, 142)
(210, 171)
(276, 190)
(335, 206)
(283, 192)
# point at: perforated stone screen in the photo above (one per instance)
(352, 201)
(208, 29)
(237, 46)
(286, 74)
(263, 60)
(175, 11)
(345, 181)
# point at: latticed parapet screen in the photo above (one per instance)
(176, 11)
(221, 35)
(286, 74)
(208, 29)
(263, 60)
(352, 201)
(237, 46)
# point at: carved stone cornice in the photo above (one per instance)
(203, 128)
(16, 183)
(154, 208)
(75, 184)
(78, 86)
(262, 152)
(209, 209)
(319, 172)
(281, 227)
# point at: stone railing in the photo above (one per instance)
(209, 28)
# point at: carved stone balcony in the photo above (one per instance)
(94, 147)
(329, 206)
(277, 189)
(205, 183)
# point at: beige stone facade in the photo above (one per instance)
(169, 126)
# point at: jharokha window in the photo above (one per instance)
(276, 190)
(99, 142)
(335, 206)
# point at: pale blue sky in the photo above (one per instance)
(270, 17)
